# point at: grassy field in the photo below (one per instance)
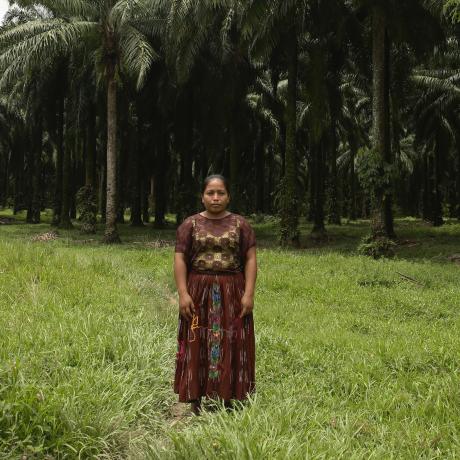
(356, 358)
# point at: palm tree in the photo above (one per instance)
(277, 25)
(114, 30)
(354, 126)
(390, 24)
(12, 133)
(211, 31)
(380, 107)
(437, 124)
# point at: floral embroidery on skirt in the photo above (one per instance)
(215, 335)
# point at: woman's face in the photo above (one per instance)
(215, 197)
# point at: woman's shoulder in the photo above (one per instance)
(189, 221)
(193, 217)
(242, 220)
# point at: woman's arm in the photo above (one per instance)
(250, 275)
(186, 306)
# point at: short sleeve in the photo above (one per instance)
(184, 237)
(248, 237)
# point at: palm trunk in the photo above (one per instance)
(388, 197)
(37, 152)
(457, 180)
(353, 150)
(86, 196)
(76, 173)
(319, 230)
(334, 212)
(65, 221)
(57, 208)
(136, 150)
(415, 191)
(102, 162)
(111, 232)
(145, 199)
(426, 198)
(186, 199)
(260, 170)
(437, 214)
(282, 147)
(90, 164)
(235, 169)
(270, 180)
(29, 178)
(5, 180)
(121, 181)
(289, 208)
(102, 195)
(161, 172)
(379, 110)
(18, 173)
(311, 184)
(206, 154)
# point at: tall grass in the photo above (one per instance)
(355, 358)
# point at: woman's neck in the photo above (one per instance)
(210, 215)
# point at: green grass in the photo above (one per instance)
(353, 359)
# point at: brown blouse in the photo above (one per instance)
(217, 245)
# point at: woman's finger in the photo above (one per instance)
(185, 312)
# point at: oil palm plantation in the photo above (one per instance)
(437, 124)
(417, 24)
(113, 31)
(275, 27)
(210, 32)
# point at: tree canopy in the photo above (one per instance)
(322, 109)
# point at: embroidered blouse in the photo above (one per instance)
(217, 245)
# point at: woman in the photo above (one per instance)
(215, 270)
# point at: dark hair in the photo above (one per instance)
(213, 177)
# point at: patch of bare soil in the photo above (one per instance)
(179, 412)
(408, 243)
(455, 258)
(48, 236)
(159, 244)
(7, 220)
(155, 244)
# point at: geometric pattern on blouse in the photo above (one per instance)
(216, 253)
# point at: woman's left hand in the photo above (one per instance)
(247, 305)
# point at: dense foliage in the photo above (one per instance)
(327, 109)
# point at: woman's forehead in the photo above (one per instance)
(215, 184)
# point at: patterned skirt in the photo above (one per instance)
(216, 349)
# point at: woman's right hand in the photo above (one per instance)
(186, 306)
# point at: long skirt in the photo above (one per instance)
(216, 349)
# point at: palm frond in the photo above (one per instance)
(54, 40)
(66, 8)
(136, 52)
(13, 35)
(344, 160)
(126, 10)
(436, 84)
